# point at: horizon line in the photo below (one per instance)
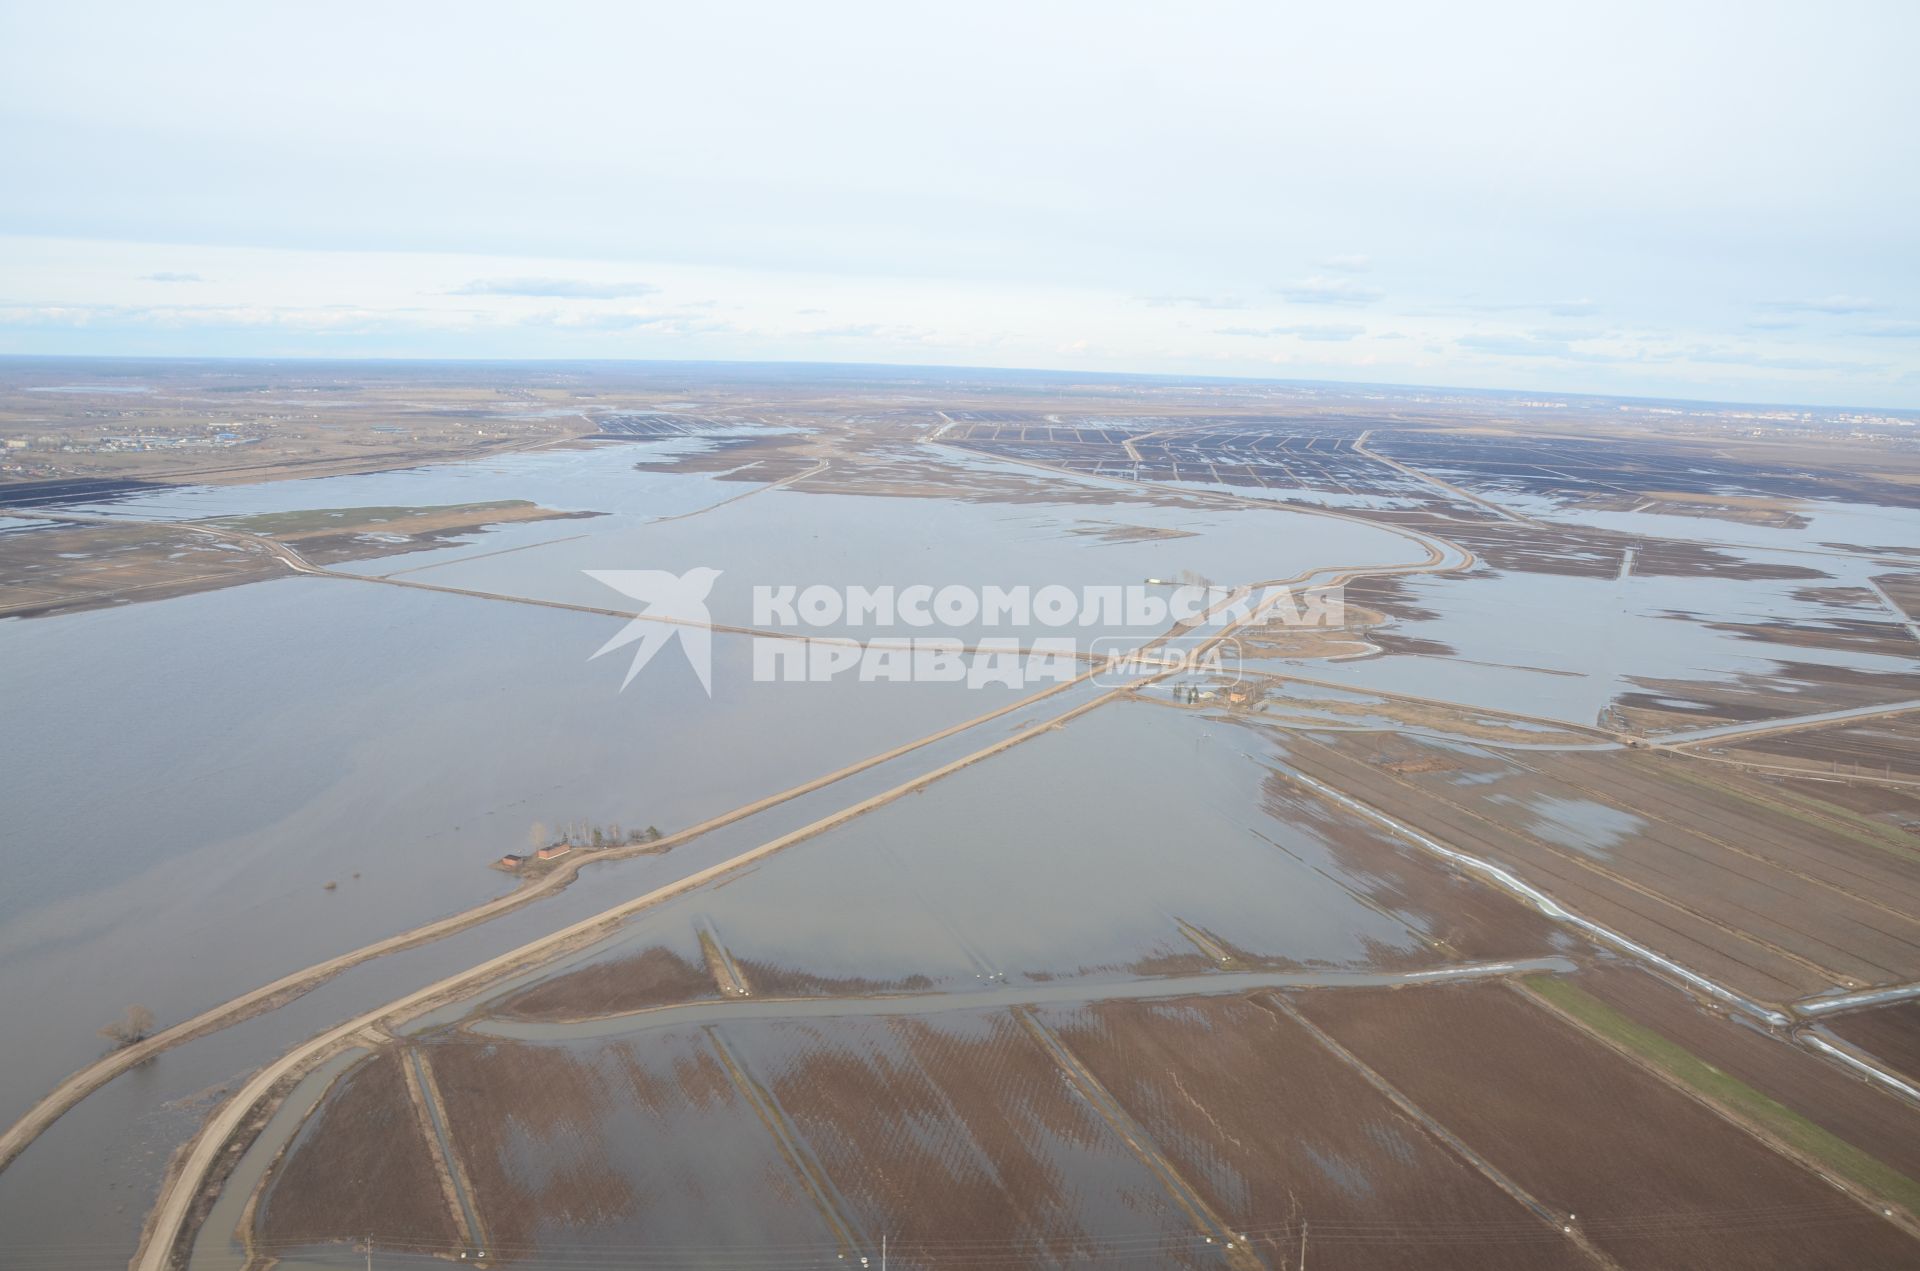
(1048, 372)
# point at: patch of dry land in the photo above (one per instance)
(53, 566)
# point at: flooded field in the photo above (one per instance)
(1643, 844)
(1204, 968)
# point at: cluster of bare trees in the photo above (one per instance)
(586, 834)
(134, 1025)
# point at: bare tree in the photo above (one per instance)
(537, 836)
(132, 1026)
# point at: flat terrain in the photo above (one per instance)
(1889, 1033)
(1472, 929)
(1636, 842)
(1648, 1175)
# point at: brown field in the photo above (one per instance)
(1651, 1176)
(1275, 1131)
(1890, 1034)
(1873, 1120)
(1888, 747)
(771, 979)
(334, 535)
(612, 1149)
(1905, 592)
(66, 567)
(653, 977)
(962, 1139)
(1462, 916)
(53, 568)
(361, 1164)
(264, 424)
(1791, 688)
(1718, 881)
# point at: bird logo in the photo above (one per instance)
(675, 606)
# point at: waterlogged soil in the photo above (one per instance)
(1718, 883)
(617, 1150)
(656, 976)
(361, 1164)
(1277, 1134)
(1650, 1176)
(960, 1137)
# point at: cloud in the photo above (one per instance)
(1719, 356)
(1891, 330)
(1349, 264)
(661, 323)
(169, 277)
(1826, 304)
(314, 319)
(1541, 344)
(563, 288)
(1324, 331)
(1321, 290)
(1581, 308)
(901, 333)
(1194, 302)
(1515, 345)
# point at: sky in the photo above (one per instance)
(1697, 199)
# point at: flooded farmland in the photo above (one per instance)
(577, 959)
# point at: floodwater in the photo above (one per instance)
(194, 772)
(1565, 647)
(183, 778)
(997, 997)
(1079, 855)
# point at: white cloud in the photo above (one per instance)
(562, 288)
(1194, 302)
(1837, 304)
(1321, 290)
(1325, 332)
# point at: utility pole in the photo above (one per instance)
(369, 1251)
(883, 1251)
(1303, 1247)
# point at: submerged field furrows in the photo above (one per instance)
(612, 1150)
(1867, 1116)
(1738, 870)
(1832, 858)
(1686, 897)
(1646, 1173)
(958, 1138)
(1279, 1136)
(1460, 917)
(1890, 1034)
(1788, 687)
(1708, 947)
(360, 1165)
